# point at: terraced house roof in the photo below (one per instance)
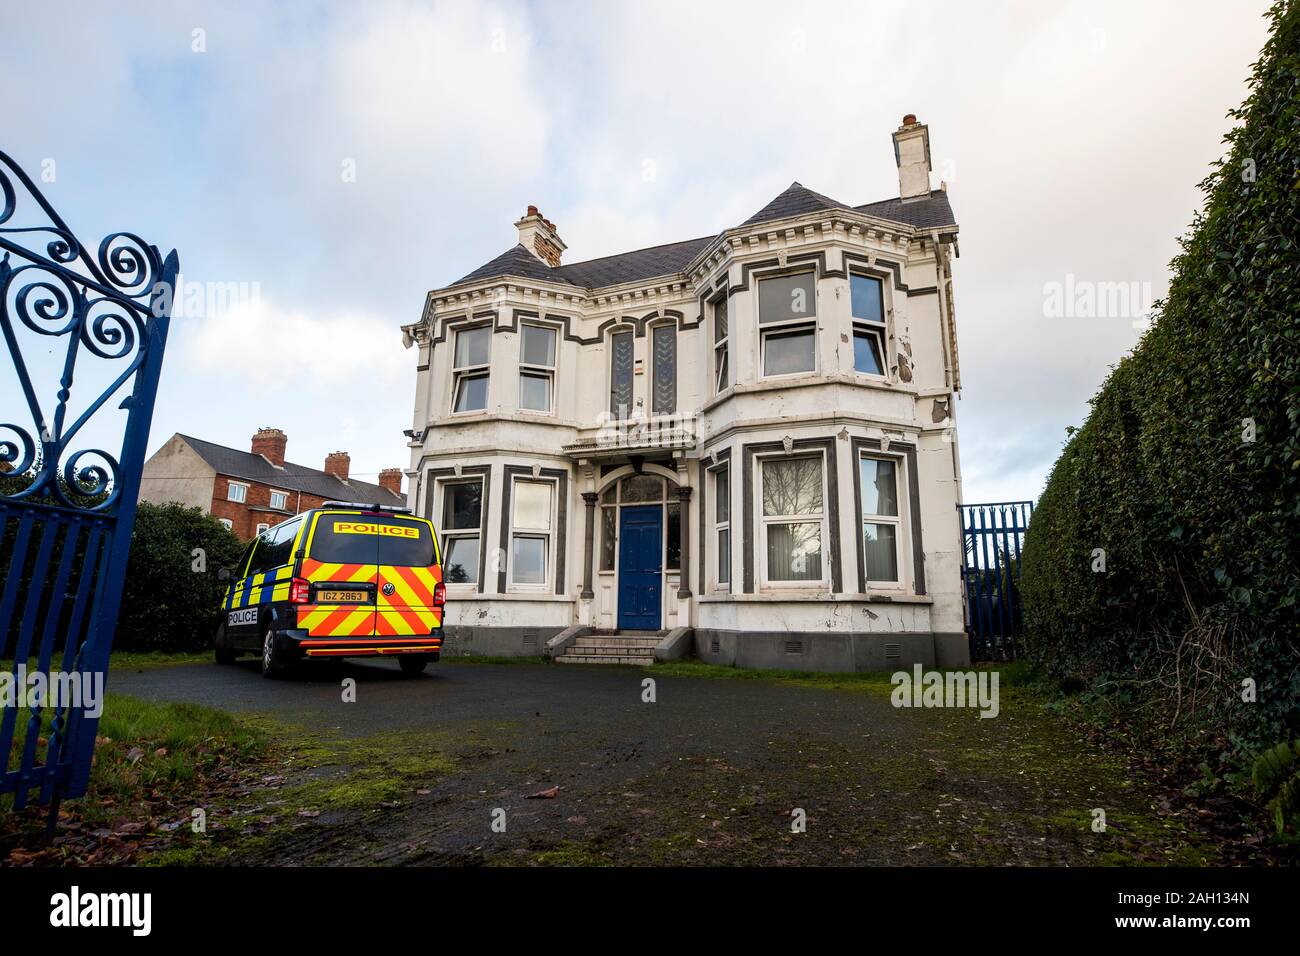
(313, 481)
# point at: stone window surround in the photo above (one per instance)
(767, 584)
(560, 477)
(441, 476)
(908, 449)
(454, 330)
(554, 368)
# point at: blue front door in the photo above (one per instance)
(640, 570)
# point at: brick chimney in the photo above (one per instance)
(391, 479)
(912, 154)
(537, 234)
(269, 443)
(337, 464)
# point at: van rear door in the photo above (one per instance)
(342, 566)
(410, 569)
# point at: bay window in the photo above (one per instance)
(722, 525)
(530, 532)
(536, 367)
(470, 369)
(787, 310)
(868, 307)
(462, 517)
(881, 523)
(793, 519)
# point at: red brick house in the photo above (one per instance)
(250, 491)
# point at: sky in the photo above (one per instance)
(320, 166)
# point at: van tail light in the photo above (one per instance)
(299, 591)
(439, 594)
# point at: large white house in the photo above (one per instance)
(745, 442)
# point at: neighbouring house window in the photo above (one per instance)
(237, 492)
(722, 523)
(881, 524)
(867, 295)
(280, 500)
(663, 401)
(620, 375)
(530, 532)
(462, 516)
(787, 309)
(470, 369)
(262, 527)
(721, 346)
(793, 519)
(536, 367)
(227, 524)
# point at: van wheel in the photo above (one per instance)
(272, 660)
(413, 664)
(224, 654)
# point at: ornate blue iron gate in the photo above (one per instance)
(66, 508)
(992, 535)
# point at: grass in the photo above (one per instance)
(143, 660)
(1011, 674)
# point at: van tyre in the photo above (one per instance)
(413, 664)
(273, 663)
(224, 654)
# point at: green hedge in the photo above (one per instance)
(167, 605)
(1200, 525)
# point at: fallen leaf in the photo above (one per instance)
(550, 794)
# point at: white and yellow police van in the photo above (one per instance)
(342, 580)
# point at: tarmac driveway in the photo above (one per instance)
(532, 763)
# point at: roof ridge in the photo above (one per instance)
(284, 468)
(632, 252)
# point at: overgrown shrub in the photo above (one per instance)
(1187, 471)
(168, 605)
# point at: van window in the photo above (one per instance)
(372, 539)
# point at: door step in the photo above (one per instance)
(623, 647)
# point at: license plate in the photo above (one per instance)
(342, 597)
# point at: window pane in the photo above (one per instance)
(673, 551)
(532, 505)
(787, 352)
(609, 495)
(724, 375)
(620, 390)
(720, 320)
(664, 400)
(460, 566)
(789, 297)
(535, 392)
(608, 537)
(879, 487)
(792, 486)
(472, 346)
(794, 552)
(724, 556)
(471, 393)
(868, 302)
(528, 561)
(881, 549)
(866, 352)
(641, 488)
(722, 496)
(538, 346)
(462, 506)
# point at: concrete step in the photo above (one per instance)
(592, 659)
(610, 651)
(598, 641)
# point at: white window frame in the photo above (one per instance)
(721, 526)
(448, 535)
(901, 531)
(227, 524)
(722, 365)
(284, 505)
(548, 536)
(763, 522)
(242, 497)
(262, 528)
(460, 373)
(767, 329)
(533, 370)
(879, 329)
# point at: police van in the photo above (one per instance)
(341, 580)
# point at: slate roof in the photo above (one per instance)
(671, 258)
(313, 481)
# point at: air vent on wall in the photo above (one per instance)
(794, 647)
(714, 646)
(892, 652)
(530, 637)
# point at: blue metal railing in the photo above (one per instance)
(992, 537)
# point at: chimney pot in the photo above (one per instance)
(391, 479)
(270, 444)
(337, 464)
(532, 211)
(537, 234)
(909, 119)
